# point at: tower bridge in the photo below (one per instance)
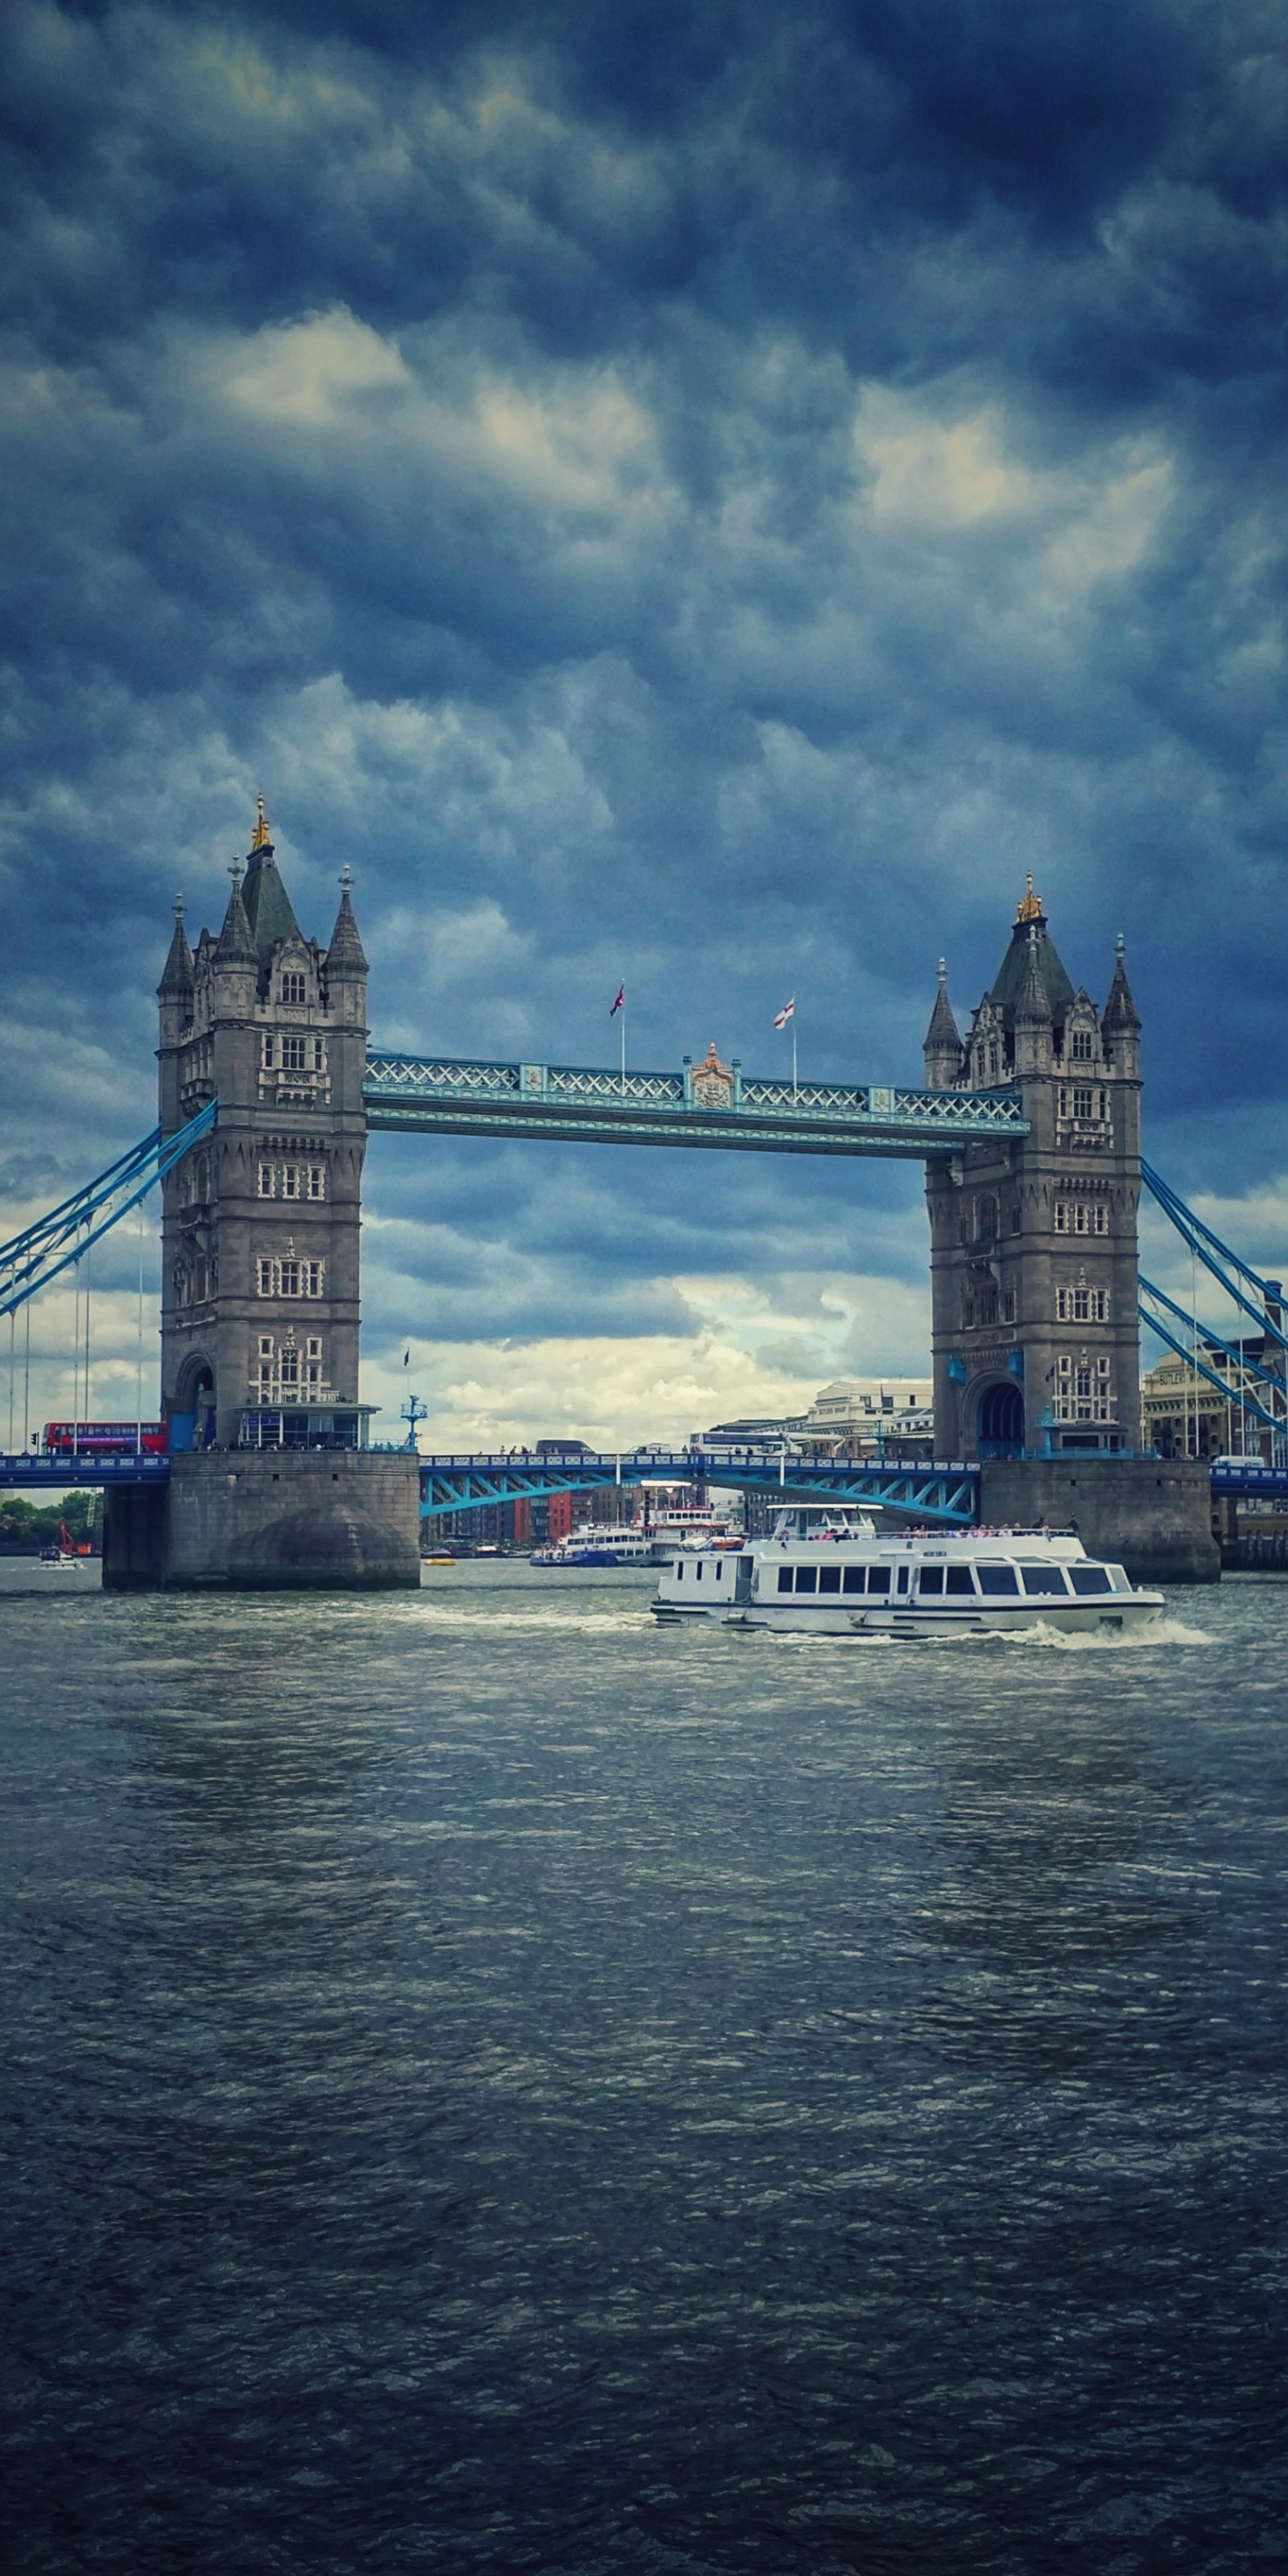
(1028, 1127)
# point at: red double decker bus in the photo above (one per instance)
(104, 1439)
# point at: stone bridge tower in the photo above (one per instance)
(1033, 1244)
(259, 1331)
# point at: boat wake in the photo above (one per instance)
(1101, 1641)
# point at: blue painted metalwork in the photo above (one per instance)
(944, 1491)
(1230, 1395)
(1250, 1479)
(1211, 1340)
(584, 1104)
(43, 1474)
(1212, 1252)
(28, 1261)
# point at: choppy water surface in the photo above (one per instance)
(494, 2087)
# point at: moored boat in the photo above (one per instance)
(820, 1580)
(598, 1543)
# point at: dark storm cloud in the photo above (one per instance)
(695, 491)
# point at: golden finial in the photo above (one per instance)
(1031, 907)
(260, 838)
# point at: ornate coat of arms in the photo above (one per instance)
(712, 1082)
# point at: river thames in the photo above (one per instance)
(491, 2086)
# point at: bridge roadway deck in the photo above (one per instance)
(938, 1489)
(933, 1492)
(588, 1105)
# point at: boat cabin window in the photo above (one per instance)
(997, 1578)
(1044, 1578)
(829, 1578)
(957, 1578)
(1118, 1578)
(697, 1571)
(931, 1579)
(902, 1584)
(784, 1578)
(879, 1578)
(854, 1578)
(1090, 1578)
(679, 1574)
(807, 1578)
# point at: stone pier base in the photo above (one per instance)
(271, 1520)
(1152, 1515)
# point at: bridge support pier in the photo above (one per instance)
(270, 1521)
(1152, 1515)
(134, 1535)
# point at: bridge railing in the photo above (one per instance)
(560, 1097)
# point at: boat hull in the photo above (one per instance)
(1113, 1614)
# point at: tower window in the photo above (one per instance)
(319, 1056)
(1081, 1045)
(293, 988)
(985, 1220)
(1082, 1305)
(1083, 1389)
(293, 1056)
(290, 1278)
(269, 1051)
(292, 1180)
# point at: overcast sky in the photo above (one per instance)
(704, 493)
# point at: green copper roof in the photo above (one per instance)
(1014, 969)
(268, 905)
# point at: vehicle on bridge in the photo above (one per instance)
(817, 1576)
(105, 1439)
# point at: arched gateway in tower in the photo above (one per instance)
(1033, 1240)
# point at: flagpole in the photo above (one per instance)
(793, 1051)
(623, 1044)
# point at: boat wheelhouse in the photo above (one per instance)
(921, 1584)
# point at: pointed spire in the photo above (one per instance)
(1030, 906)
(943, 1029)
(1034, 1002)
(1121, 1017)
(942, 1046)
(178, 970)
(236, 946)
(345, 955)
(261, 838)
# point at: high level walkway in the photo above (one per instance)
(709, 1105)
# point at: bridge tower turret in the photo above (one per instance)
(260, 1298)
(1033, 1241)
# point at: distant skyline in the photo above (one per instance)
(699, 495)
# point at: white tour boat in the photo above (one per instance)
(690, 1525)
(598, 1543)
(842, 1579)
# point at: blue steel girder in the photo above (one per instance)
(59, 1475)
(1250, 1480)
(437, 1095)
(30, 1260)
(939, 1492)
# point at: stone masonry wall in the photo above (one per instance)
(283, 1520)
(1152, 1515)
